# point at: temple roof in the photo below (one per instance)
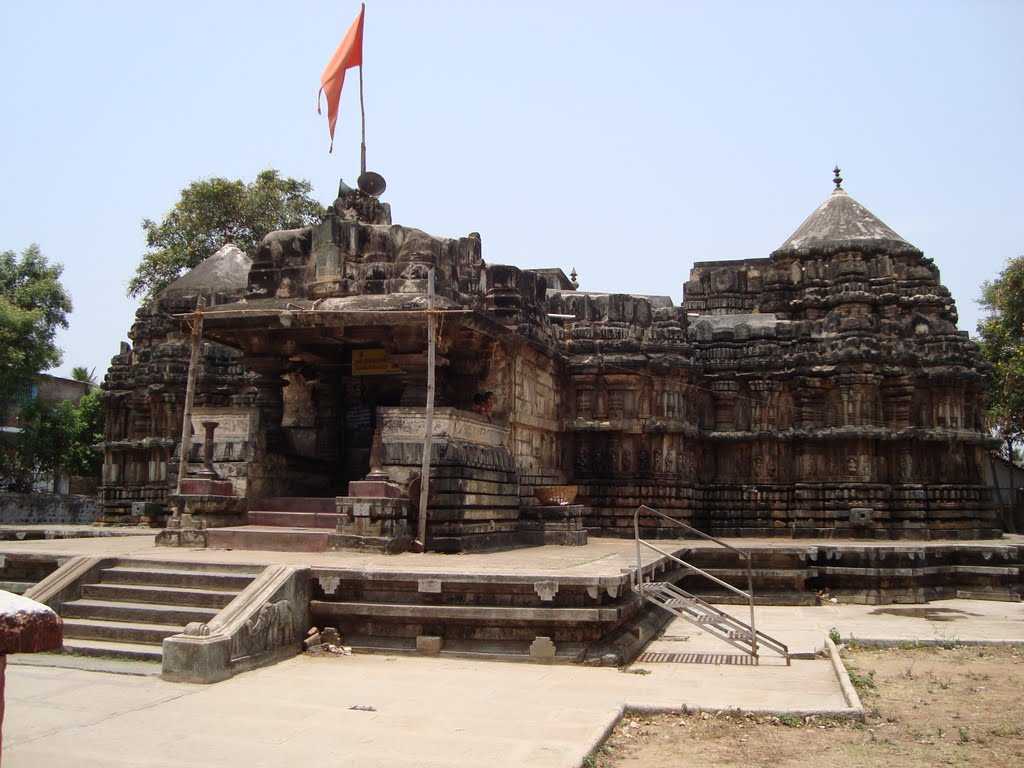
(841, 223)
(225, 272)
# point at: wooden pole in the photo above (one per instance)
(362, 111)
(429, 421)
(190, 390)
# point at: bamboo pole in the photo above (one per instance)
(190, 390)
(428, 434)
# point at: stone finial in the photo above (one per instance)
(575, 278)
(837, 180)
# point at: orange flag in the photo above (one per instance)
(349, 54)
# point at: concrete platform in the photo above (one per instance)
(373, 711)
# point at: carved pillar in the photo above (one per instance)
(725, 394)
(764, 415)
(269, 395)
(808, 400)
(898, 396)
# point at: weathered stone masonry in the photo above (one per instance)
(824, 390)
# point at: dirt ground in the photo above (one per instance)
(926, 707)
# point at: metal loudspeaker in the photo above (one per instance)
(371, 183)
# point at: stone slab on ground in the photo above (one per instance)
(804, 628)
(372, 711)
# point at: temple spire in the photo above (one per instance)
(837, 180)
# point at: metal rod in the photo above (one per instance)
(639, 560)
(190, 391)
(695, 569)
(700, 533)
(750, 590)
(428, 431)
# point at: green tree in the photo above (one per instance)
(42, 447)
(1002, 344)
(84, 375)
(82, 458)
(54, 438)
(216, 211)
(33, 305)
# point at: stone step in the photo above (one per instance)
(268, 538)
(141, 613)
(17, 587)
(233, 569)
(295, 504)
(165, 577)
(203, 598)
(294, 519)
(490, 650)
(483, 613)
(113, 649)
(118, 631)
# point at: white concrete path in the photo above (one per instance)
(803, 628)
(426, 712)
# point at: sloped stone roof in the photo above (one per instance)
(226, 272)
(841, 223)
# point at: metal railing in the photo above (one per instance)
(640, 543)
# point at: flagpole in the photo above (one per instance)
(362, 110)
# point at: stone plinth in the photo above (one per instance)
(197, 513)
(372, 522)
(378, 489)
(559, 524)
(206, 486)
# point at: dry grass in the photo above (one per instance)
(927, 707)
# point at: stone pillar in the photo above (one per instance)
(725, 394)
(208, 470)
(898, 396)
(808, 400)
(764, 415)
(269, 394)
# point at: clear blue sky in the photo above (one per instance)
(624, 139)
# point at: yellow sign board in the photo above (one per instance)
(372, 362)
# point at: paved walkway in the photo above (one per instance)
(600, 557)
(369, 711)
(29, 531)
(803, 628)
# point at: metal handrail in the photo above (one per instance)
(687, 526)
(749, 594)
(693, 567)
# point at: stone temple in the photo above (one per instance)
(823, 391)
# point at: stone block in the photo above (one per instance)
(542, 650)
(429, 645)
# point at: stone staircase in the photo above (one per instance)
(481, 616)
(282, 524)
(133, 605)
(712, 620)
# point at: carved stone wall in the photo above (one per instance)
(823, 390)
